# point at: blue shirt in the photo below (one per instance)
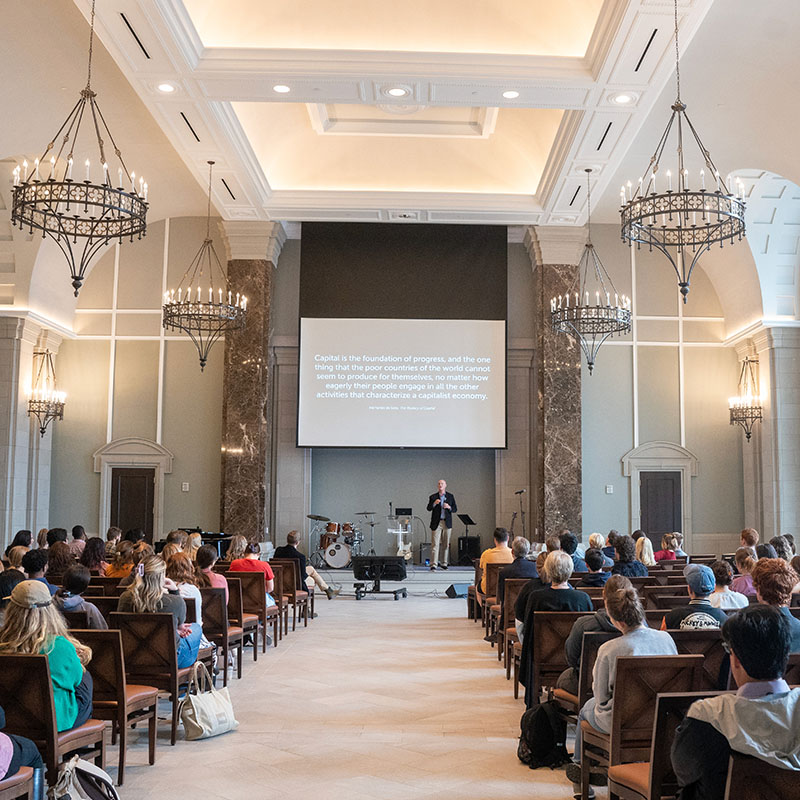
(53, 589)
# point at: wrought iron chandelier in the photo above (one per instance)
(745, 408)
(590, 324)
(80, 216)
(681, 222)
(45, 402)
(186, 308)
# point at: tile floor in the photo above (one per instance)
(376, 699)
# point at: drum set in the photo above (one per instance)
(333, 544)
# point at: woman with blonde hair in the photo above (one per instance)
(597, 541)
(169, 550)
(236, 548)
(644, 551)
(668, 547)
(123, 561)
(194, 543)
(41, 539)
(745, 560)
(153, 593)
(34, 625)
(15, 555)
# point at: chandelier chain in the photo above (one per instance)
(677, 54)
(91, 50)
(208, 209)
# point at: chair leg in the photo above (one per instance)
(225, 660)
(173, 735)
(264, 635)
(500, 644)
(516, 677)
(239, 654)
(151, 734)
(123, 746)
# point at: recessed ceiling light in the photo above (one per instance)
(281, 88)
(167, 88)
(623, 99)
(397, 91)
(510, 94)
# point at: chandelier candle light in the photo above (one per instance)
(745, 409)
(200, 307)
(573, 313)
(45, 402)
(80, 216)
(679, 221)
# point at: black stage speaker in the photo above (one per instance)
(378, 568)
(456, 590)
(469, 548)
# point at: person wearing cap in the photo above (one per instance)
(33, 625)
(699, 613)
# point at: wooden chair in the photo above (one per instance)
(254, 601)
(705, 558)
(669, 601)
(239, 618)
(472, 592)
(550, 632)
(151, 659)
(654, 778)
(641, 581)
(298, 599)
(715, 672)
(218, 630)
(204, 654)
(108, 585)
(792, 674)
(654, 616)
(490, 593)
(123, 704)
(76, 619)
(280, 579)
(751, 778)
(633, 715)
(105, 605)
(18, 786)
(511, 589)
(26, 695)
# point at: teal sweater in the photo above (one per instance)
(66, 672)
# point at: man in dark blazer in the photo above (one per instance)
(442, 506)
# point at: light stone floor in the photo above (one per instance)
(376, 699)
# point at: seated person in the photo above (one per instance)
(8, 580)
(749, 538)
(744, 559)
(611, 545)
(596, 576)
(598, 542)
(180, 570)
(782, 548)
(678, 536)
(499, 554)
(289, 550)
(34, 563)
(113, 536)
(667, 551)
(569, 544)
(253, 563)
(644, 551)
(94, 556)
(766, 550)
(59, 560)
(762, 719)
(551, 543)
(78, 541)
(16, 752)
(141, 550)
(21, 539)
(236, 548)
(205, 577)
(153, 593)
(520, 567)
(626, 563)
(193, 544)
(34, 625)
(15, 555)
(627, 615)
(134, 535)
(698, 613)
(591, 623)
(722, 596)
(56, 535)
(68, 597)
(123, 561)
(179, 538)
(774, 580)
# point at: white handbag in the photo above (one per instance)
(206, 711)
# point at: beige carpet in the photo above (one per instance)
(376, 699)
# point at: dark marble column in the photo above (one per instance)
(253, 249)
(557, 493)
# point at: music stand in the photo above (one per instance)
(467, 520)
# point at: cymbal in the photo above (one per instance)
(365, 513)
(318, 518)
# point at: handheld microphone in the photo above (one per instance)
(521, 491)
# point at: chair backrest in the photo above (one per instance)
(654, 616)
(511, 589)
(191, 609)
(670, 601)
(550, 632)
(254, 595)
(716, 669)
(590, 645)
(677, 580)
(283, 582)
(108, 585)
(492, 573)
(751, 778)
(105, 605)
(76, 619)
(792, 674)
(643, 580)
(148, 642)
(703, 558)
(633, 714)
(215, 613)
(235, 610)
(222, 566)
(651, 593)
(26, 696)
(476, 565)
(292, 565)
(107, 666)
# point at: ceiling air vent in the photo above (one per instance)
(646, 48)
(225, 184)
(605, 133)
(575, 195)
(189, 126)
(135, 36)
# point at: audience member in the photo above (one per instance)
(68, 597)
(790, 538)
(113, 537)
(59, 560)
(78, 541)
(8, 580)
(34, 563)
(153, 593)
(499, 554)
(123, 561)
(745, 560)
(252, 563)
(179, 538)
(595, 563)
(18, 751)
(627, 615)
(193, 544)
(766, 550)
(699, 613)
(598, 542)
(289, 550)
(21, 539)
(169, 550)
(15, 555)
(551, 544)
(56, 535)
(761, 719)
(774, 580)
(236, 548)
(626, 563)
(782, 547)
(134, 535)
(611, 544)
(94, 555)
(638, 534)
(644, 551)
(520, 567)
(667, 551)
(678, 536)
(205, 577)
(141, 550)
(749, 538)
(41, 539)
(180, 570)
(34, 625)
(795, 564)
(569, 544)
(722, 596)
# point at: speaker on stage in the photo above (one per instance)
(469, 548)
(457, 590)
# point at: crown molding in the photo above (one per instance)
(253, 240)
(551, 244)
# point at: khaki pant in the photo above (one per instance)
(315, 578)
(436, 536)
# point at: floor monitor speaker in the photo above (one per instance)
(457, 590)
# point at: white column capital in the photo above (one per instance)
(553, 244)
(253, 239)
(773, 337)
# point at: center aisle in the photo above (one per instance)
(376, 699)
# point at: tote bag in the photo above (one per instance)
(206, 711)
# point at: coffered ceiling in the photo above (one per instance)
(433, 110)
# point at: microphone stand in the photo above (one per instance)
(522, 515)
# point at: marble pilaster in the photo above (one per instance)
(253, 249)
(557, 490)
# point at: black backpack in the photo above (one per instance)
(542, 741)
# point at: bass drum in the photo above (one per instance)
(337, 555)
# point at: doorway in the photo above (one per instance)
(132, 499)
(660, 504)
